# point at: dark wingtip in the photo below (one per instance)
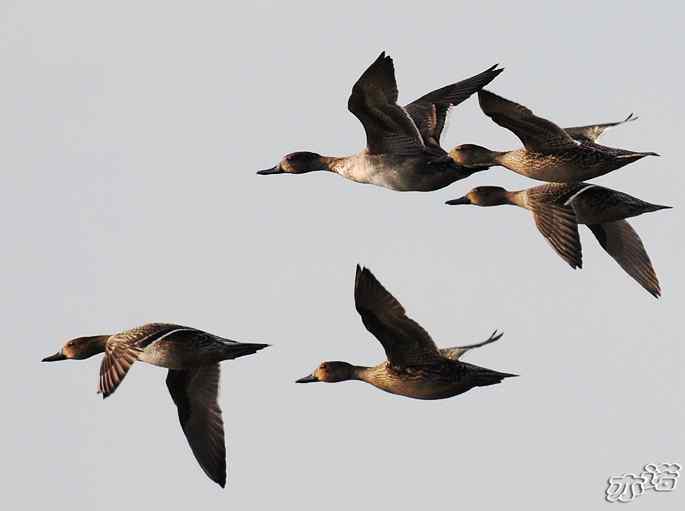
(575, 265)
(496, 70)
(383, 57)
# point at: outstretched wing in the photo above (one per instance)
(622, 243)
(592, 132)
(456, 352)
(429, 112)
(119, 357)
(388, 126)
(405, 342)
(537, 134)
(122, 349)
(558, 225)
(195, 392)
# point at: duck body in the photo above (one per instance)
(179, 347)
(591, 204)
(415, 367)
(440, 380)
(580, 163)
(423, 173)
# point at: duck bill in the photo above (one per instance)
(460, 200)
(273, 170)
(53, 358)
(307, 379)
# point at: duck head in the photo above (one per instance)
(79, 348)
(483, 196)
(474, 156)
(330, 372)
(300, 162)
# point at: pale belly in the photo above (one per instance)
(157, 354)
(406, 174)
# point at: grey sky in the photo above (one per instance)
(131, 136)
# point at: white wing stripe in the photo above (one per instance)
(416, 128)
(570, 200)
(166, 335)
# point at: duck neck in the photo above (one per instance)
(361, 373)
(93, 345)
(517, 198)
(512, 160)
(333, 163)
(498, 157)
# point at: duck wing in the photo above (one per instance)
(388, 126)
(195, 392)
(622, 243)
(557, 222)
(429, 112)
(537, 134)
(456, 352)
(405, 342)
(592, 132)
(119, 357)
(124, 348)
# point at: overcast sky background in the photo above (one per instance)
(131, 135)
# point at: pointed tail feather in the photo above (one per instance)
(482, 376)
(241, 349)
(489, 377)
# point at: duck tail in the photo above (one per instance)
(240, 349)
(637, 156)
(484, 377)
(656, 207)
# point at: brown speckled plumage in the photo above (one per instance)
(550, 153)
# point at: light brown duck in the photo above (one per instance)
(192, 357)
(415, 366)
(558, 208)
(550, 153)
(402, 143)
